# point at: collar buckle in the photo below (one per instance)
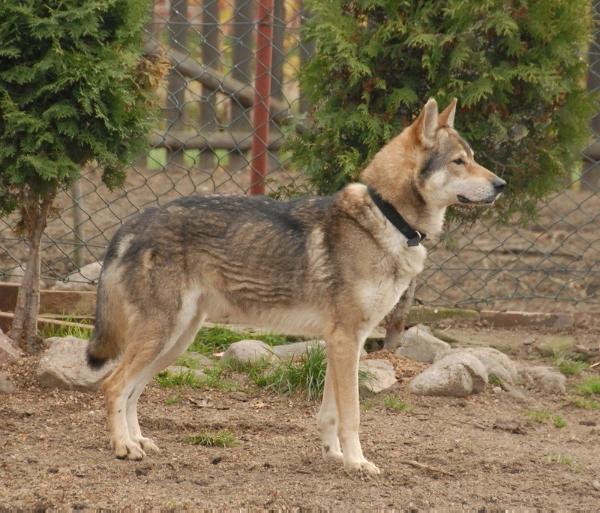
(416, 240)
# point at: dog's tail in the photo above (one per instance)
(108, 339)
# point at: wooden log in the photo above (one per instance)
(213, 79)
(209, 141)
(64, 302)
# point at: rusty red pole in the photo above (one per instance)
(262, 95)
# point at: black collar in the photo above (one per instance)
(393, 216)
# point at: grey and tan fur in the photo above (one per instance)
(330, 266)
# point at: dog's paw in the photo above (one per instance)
(146, 444)
(129, 450)
(362, 466)
(332, 454)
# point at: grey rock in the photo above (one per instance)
(64, 365)
(419, 344)
(458, 374)
(381, 375)
(6, 387)
(8, 352)
(85, 279)
(541, 377)
(180, 369)
(248, 351)
(296, 350)
(494, 361)
(200, 361)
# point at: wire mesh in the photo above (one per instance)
(202, 144)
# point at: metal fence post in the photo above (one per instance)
(262, 86)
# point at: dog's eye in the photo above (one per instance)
(458, 162)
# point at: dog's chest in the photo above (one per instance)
(383, 290)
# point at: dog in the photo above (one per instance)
(330, 266)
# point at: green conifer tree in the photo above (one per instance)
(73, 89)
(517, 68)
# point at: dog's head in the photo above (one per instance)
(445, 170)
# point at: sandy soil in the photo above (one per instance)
(483, 451)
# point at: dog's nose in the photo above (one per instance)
(499, 185)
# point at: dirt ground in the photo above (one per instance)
(481, 452)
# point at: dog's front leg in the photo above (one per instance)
(343, 351)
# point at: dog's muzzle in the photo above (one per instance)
(498, 185)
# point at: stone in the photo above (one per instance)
(495, 362)
(248, 351)
(417, 343)
(296, 350)
(458, 374)
(14, 275)
(8, 351)
(6, 387)
(543, 378)
(596, 485)
(199, 360)
(64, 365)
(551, 345)
(180, 369)
(86, 278)
(382, 375)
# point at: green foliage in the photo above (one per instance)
(393, 403)
(559, 422)
(210, 378)
(517, 69)
(569, 367)
(56, 330)
(223, 438)
(590, 387)
(584, 403)
(73, 89)
(539, 416)
(168, 379)
(306, 375)
(218, 338)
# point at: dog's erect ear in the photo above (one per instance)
(427, 123)
(446, 117)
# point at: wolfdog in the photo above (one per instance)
(330, 266)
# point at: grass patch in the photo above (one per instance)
(213, 378)
(591, 386)
(55, 330)
(569, 367)
(218, 338)
(167, 379)
(559, 422)
(584, 403)
(539, 416)
(561, 459)
(393, 403)
(306, 375)
(223, 438)
(173, 399)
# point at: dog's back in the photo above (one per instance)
(245, 254)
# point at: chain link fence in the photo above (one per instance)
(202, 146)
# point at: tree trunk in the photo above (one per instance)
(24, 326)
(395, 321)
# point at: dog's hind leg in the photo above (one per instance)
(162, 361)
(343, 351)
(154, 346)
(327, 420)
